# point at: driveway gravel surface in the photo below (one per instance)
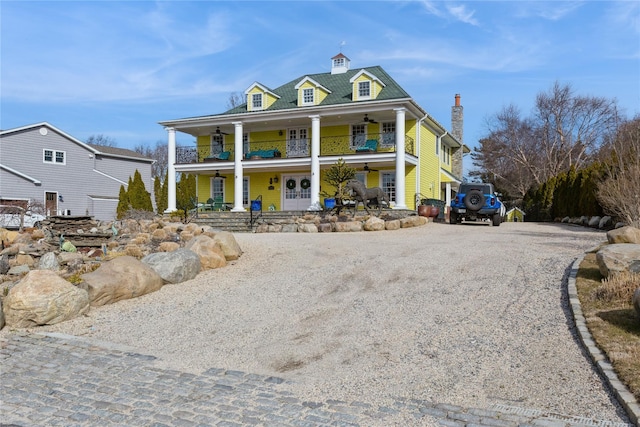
(468, 315)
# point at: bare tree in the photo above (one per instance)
(565, 130)
(506, 157)
(571, 128)
(619, 192)
(235, 100)
(160, 154)
(103, 140)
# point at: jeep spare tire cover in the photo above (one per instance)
(474, 200)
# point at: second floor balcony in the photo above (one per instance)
(341, 145)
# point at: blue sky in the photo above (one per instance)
(117, 68)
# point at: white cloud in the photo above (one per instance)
(458, 12)
(461, 13)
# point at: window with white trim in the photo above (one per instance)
(256, 101)
(245, 143)
(358, 136)
(245, 191)
(307, 96)
(388, 134)
(217, 143)
(446, 154)
(364, 89)
(389, 184)
(54, 156)
(217, 187)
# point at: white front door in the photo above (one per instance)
(296, 198)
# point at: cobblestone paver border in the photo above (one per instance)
(599, 359)
(60, 380)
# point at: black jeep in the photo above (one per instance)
(476, 201)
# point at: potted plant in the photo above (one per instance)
(337, 176)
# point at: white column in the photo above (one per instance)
(400, 170)
(315, 164)
(238, 177)
(171, 170)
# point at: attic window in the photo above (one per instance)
(256, 101)
(307, 96)
(364, 89)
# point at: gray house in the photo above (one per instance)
(42, 166)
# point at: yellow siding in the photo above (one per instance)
(410, 186)
(269, 100)
(320, 95)
(429, 165)
(376, 87)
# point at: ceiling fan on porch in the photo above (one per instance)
(368, 120)
(219, 132)
(220, 176)
(368, 169)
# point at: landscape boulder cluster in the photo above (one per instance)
(621, 254)
(46, 279)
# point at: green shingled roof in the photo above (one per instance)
(338, 84)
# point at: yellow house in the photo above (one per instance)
(277, 145)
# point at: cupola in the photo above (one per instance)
(339, 64)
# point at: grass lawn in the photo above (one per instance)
(612, 320)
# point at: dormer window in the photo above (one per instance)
(256, 101)
(307, 96)
(364, 90)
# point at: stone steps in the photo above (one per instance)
(240, 222)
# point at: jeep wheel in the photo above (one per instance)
(474, 200)
(497, 219)
(453, 218)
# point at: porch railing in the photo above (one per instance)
(283, 148)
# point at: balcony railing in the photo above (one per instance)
(340, 145)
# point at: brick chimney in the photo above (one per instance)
(457, 119)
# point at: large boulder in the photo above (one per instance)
(121, 278)
(413, 221)
(625, 234)
(43, 298)
(176, 266)
(210, 253)
(348, 226)
(618, 257)
(605, 222)
(594, 222)
(636, 301)
(374, 224)
(228, 244)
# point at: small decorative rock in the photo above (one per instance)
(168, 246)
(49, 261)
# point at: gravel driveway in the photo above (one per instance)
(470, 315)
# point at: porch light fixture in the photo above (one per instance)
(275, 179)
(280, 132)
(60, 198)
